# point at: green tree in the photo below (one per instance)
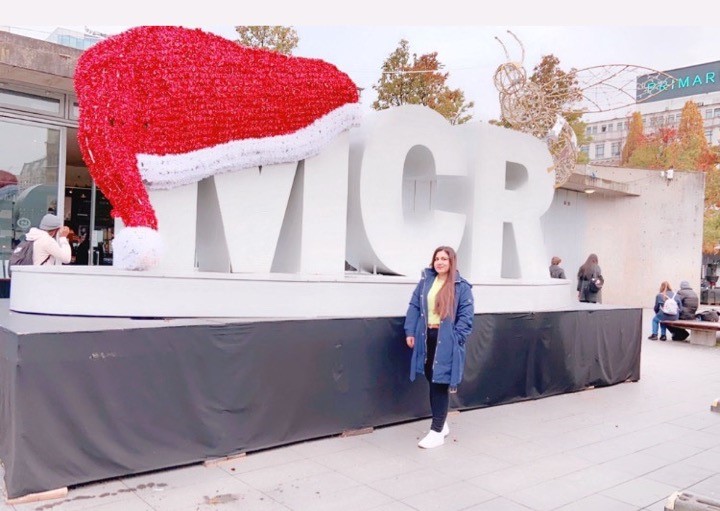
(411, 80)
(276, 38)
(711, 231)
(559, 92)
(647, 156)
(560, 89)
(579, 127)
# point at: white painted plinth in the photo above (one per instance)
(106, 291)
(702, 337)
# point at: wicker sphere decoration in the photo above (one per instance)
(527, 110)
(510, 77)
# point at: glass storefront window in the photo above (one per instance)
(50, 104)
(29, 166)
(75, 111)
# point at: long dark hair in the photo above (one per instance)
(586, 270)
(445, 299)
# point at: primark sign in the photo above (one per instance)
(677, 83)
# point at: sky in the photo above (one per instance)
(358, 37)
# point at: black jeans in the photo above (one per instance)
(439, 397)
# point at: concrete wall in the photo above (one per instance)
(28, 60)
(639, 240)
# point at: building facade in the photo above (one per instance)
(660, 105)
(40, 162)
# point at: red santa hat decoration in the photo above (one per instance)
(161, 107)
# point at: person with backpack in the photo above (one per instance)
(590, 281)
(689, 303)
(667, 308)
(47, 250)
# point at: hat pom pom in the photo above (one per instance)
(137, 248)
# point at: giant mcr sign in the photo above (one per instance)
(381, 197)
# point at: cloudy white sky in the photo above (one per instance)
(357, 37)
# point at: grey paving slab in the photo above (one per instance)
(393, 506)
(640, 492)
(525, 475)
(709, 459)
(700, 420)
(316, 491)
(595, 479)
(656, 506)
(471, 466)
(271, 477)
(714, 430)
(549, 494)
(113, 493)
(388, 466)
(315, 448)
(202, 492)
(453, 497)
(355, 498)
(680, 475)
(702, 439)
(620, 448)
(637, 463)
(598, 503)
(412, 483)
(674, 450)
(498, 504)
(259, 460)
(709, 487)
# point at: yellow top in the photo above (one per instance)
(434, 317)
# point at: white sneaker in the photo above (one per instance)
(432, 439)
(445, 430)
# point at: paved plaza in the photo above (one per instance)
(619, 448)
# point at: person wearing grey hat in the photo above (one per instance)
(556, 271)
(689, 303)
(50, 243)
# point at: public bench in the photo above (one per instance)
(701, 332)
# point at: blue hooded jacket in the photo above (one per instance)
(452, 334)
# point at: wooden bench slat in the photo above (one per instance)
(693, 325)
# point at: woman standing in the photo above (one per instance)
(438, 322)
(590, 281)
(663, 311)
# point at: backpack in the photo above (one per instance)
(670, 305)
(708, 315)
(23, 255)
(595, 284)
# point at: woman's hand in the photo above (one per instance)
(410, 341)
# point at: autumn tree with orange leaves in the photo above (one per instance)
(692, 151)
(684, 148)
(635, 138)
